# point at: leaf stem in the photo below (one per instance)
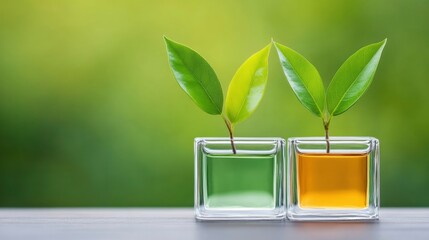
(328, 145)
(231, 134)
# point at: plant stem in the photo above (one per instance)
(328, 145)
(231, 134)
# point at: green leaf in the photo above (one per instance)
(196, 77)
(353, 78)
(247, 86)
(304, 79)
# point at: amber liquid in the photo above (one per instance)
(333, 180)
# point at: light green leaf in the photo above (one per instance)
(247, 86)
(196, 77)
(353, 78)
(304, 79)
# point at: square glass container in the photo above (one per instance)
(248, 185)
(343, 184)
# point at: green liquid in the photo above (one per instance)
(240, 181)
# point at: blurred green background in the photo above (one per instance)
(90, 114)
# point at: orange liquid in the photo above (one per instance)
(333, 180)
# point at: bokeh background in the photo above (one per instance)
(90, 114)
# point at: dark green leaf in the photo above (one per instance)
(196, 77)
(353, 78)
(304, 79)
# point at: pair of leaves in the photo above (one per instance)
(347, 86)
(198, 79)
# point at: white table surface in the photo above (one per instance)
(179, 223)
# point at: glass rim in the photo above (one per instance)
(333, 139)
(238, 139)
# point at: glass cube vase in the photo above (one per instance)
(248, 185)
(343, 184)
